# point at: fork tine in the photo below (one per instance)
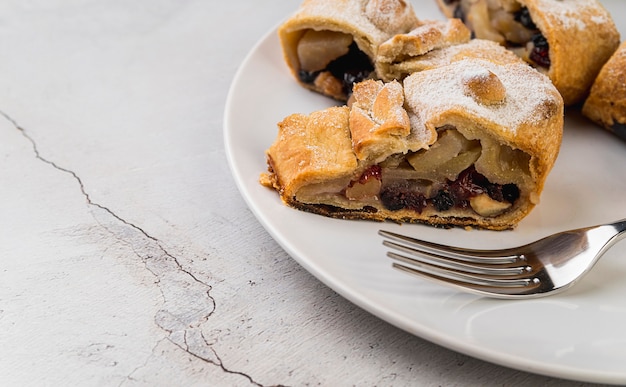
(462, 266)
(504, 256)
(492, 287)
(464, 278)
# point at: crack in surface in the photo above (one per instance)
(178, 324)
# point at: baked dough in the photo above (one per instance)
(569, 40)
(606, 104)
(468, 144)
(331, 44)
(442, 56)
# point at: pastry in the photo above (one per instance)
(549, 34)
(441, 56)
(429, 36)
(606, 104)
(467, 144)
(331, 44)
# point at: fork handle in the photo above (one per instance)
(619, 228)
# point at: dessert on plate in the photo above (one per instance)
(467, 144)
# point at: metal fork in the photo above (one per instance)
(547, 266)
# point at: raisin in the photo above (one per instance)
(396, 198)
(353, 76)
(351, 68)
(510, 193)
(523, 17)
(495, 192)
(540, 53)
(459, 14)
(443, 201)
(307, 76)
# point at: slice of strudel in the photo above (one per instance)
(331, 44)
(468, 144)
(548, 34)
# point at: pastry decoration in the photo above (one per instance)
(467, 144)
(551, 35)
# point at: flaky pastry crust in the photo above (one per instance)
(402, 151)
(442, 56)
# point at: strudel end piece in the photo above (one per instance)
(569, 40)
(331, 44)
(606, 104)
(468, 144)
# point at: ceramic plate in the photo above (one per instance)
(578, 334)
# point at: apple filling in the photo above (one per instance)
(454, 174)
(504, 21)
(332, 62)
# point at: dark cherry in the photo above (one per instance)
(373, 172)
(469, 183)
(541, 50)
(523, 17)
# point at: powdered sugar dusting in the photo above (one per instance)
(568, 12)
(475, 72)
(432, 93)
(375, 21)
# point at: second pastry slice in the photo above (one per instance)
(569, 40)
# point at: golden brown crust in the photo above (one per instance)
(430, 35)
(475, 48)
(310, 149)
(368, 22)
(583, 30)
(606, 104)
(576, 30)
(317, 159)
(531, 119)
(380, 125)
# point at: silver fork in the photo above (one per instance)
(540, 268)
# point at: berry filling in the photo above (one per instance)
(459, 194)
(540, 52)
(351, 68)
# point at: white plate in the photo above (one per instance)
(580, 334)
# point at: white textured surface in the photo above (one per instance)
(127, 256)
